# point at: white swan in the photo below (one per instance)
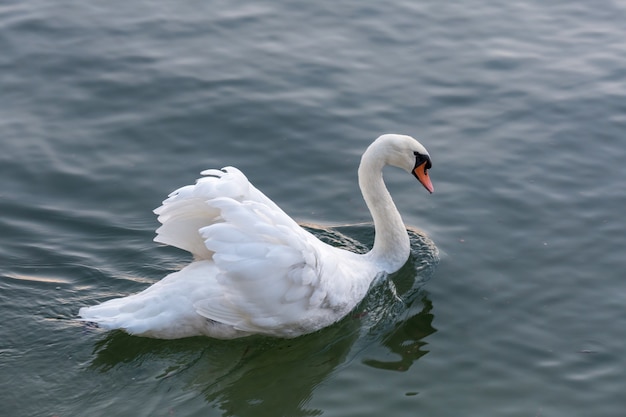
(255, 270)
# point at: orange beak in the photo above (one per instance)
(421, 173)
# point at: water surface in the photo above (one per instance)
(106, 108)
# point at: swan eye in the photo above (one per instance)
(420, 159)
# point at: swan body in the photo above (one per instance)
(255, 270)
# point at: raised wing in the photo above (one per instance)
(269, 269)
(186, 211)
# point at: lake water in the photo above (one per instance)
(106, 107)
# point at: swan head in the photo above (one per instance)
(407, 153)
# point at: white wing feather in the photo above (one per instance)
(269, 267)
(186, 210)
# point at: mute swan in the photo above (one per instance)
(255, 270)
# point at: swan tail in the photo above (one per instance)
(116, 314)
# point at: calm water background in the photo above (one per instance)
(106, 107)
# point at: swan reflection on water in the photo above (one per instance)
(269, 376)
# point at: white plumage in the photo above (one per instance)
(255, 270)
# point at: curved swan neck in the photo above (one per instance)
(391, 242)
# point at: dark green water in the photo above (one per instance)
(107, 107)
